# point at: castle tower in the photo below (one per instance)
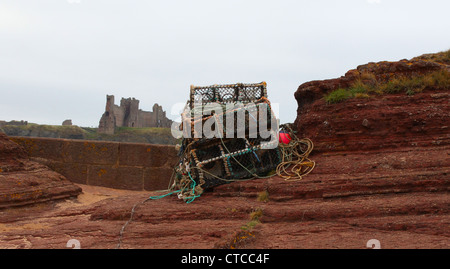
(131, 108)
(107, 122)
(109, 103)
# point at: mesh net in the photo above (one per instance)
(217, 162)
(233, 119)
(239, 92)
(239, 150)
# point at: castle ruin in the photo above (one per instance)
(128, 114)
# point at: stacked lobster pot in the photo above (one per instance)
(230, 133)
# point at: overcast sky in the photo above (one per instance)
(60, 58)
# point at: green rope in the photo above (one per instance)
(162, 196)
(251, 173)
(192, 198)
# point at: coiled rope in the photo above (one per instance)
(295, 163)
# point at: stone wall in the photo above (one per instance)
(130, 166)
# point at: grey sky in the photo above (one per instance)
(59, 58)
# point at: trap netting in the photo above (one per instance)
(212, 162)
(230, 134)
(229, 120)
(225, 93)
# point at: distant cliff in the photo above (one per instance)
(123, 134)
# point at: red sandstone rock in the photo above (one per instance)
(312, 91)
(397, 220)
(350, 198)
(381, 121)
(26, 182)
(385, 122)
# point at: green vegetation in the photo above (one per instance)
(36, 130)
(150, 135)
(367, 86)
(254, 220)
(440, 57)
(337, 96)
(263, 196)
(250, 225)
(255, 215)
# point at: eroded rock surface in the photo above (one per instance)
(349, 199)
(23, 181)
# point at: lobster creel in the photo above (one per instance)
(242, 110)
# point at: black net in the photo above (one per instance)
(239, 92)
(217, 162)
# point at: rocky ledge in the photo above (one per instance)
(24, 182)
